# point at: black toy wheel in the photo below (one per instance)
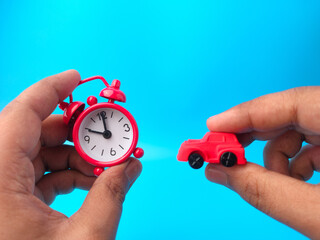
(228, 159)
(195, 160)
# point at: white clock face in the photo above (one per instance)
(105, 134)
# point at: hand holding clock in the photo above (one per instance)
(27, 153)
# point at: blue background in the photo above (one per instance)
(179, 62)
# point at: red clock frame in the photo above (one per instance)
(88, 111)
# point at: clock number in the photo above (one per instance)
(87, 138)
(103, 114)
(113, 152)
(127, 127)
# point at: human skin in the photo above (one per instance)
(286, 119)
(31, 143)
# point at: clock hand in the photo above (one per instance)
(93, 131)
(103, 115)
(106, 134)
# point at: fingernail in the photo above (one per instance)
(133, 170)
(217, 176)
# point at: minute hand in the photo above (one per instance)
(103, 115)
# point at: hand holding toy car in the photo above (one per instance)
(286, 119)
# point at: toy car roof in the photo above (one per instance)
(219, 136)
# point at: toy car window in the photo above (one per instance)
(216, 138)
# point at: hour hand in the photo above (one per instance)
(93, 131)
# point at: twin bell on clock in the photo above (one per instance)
(105, 134)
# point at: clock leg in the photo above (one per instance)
(138, 153)
(98, 170)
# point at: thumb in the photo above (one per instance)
(99, 216)
(291, 201)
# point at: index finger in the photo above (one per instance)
(43, 97)
(22, 118)
(295, 108)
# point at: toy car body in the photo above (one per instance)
(214, 147)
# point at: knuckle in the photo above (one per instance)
(247, 108)
(253, 191)
(294, 94)
(116, 191)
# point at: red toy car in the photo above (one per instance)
(214, 147)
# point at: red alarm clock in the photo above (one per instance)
(105, 134)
